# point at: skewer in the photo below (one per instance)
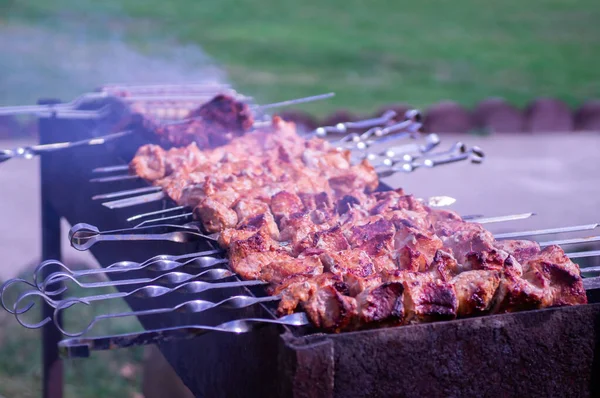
(29, 152)
(258, 108)
(584, 254)
(188, 307)
(115, 178)
(512, 217)
(475, 155)
(134, 201)
(149, 291)
(159, 263)
(82, 347)
(573, 241)
(127, 192)
(170, 278)
(155, 213)
(433, 201)
(69, 109)
(549, 231)
(111, 169)
(83, 236)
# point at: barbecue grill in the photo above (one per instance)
(545, 352)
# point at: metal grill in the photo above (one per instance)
(302, 362)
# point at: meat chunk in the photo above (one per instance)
(230, 235)
(149, 163)
(557, 276)
(325, 241)
(248, 208)
(381, 305)
(361, 177)
(299, 288)
(416, 248)
(354, 266)
(248, 257)
(215, 216)
(330, 310)
(521, 250)
(280, 269)
(425, 298)
(464, 238)
(517, 294)
(375, 238)
(284, 203)
(475, 291)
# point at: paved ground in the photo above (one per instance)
(557, 176)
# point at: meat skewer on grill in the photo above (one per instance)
(213, 123)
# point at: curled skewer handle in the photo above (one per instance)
(82, 347)
(28, 294)
(3, 292)
(84, 236)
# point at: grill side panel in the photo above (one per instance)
(552, 352)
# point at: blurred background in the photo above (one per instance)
(448, 58)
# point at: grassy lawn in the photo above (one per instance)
(368, 52)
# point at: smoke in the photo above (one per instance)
(65, 56)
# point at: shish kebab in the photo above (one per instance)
(351, 258)
(213, 123)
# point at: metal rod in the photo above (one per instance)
(29, 152)
(295, 101)
(157, 263)
(127, 192)
(82, 347)
(52, 367)
(115, 178)
(136, 200)
(549, 231)
(83, 236)
(584, 254)
(155, 213)
(111, 169)
(187, 307)
(512, 217)
(573, 241)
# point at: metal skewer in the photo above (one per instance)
(549, 231)
(83, 236)
(188, 307)
(573, 241)
(82, 347)
(160, 263)
(170, 278)
(149, 291)
(29, 152)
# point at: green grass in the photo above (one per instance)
(97, 376)
(369, 52)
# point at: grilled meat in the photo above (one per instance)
(298, 215)
(213, 124)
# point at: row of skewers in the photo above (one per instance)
(350, 258)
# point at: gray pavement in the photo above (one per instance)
(555, 175)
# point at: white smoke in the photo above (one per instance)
(66, 58)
